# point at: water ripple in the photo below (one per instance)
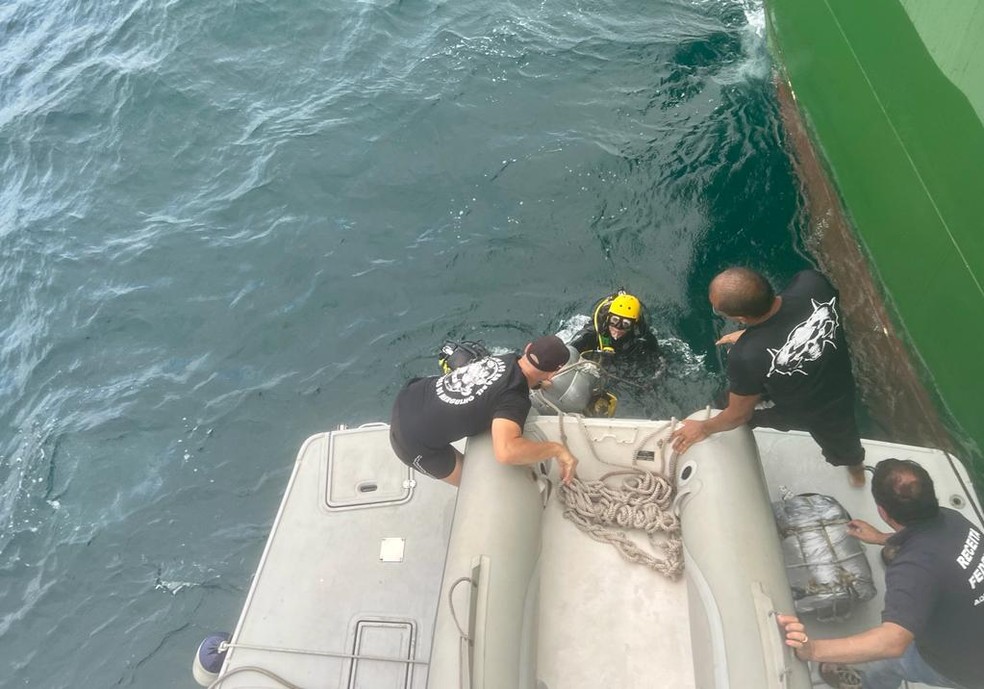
(227, 225)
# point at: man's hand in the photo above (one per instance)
(568, 463)
(796, 636)
(687, 434)
(863, 531)
(887, 640)
(730, 338)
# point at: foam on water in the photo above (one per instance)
(758, 62)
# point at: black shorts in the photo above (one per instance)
(834, 429)
(437, 463)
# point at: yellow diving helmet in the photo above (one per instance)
(626, 306)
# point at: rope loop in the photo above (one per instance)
(641, 501)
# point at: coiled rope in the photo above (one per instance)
(641, 501)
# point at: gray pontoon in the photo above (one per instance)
(377, 578)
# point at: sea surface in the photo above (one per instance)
(226, 225)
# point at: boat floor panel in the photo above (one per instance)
(604, 621)
(330, 581)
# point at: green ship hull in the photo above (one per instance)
(884, 105)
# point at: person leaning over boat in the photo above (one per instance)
(791, 351)
(932, 629)
(490, 393)
(618, 326)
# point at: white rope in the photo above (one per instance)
(642, 501)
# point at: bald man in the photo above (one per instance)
(791, 351)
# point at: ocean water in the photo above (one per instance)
(228, 225)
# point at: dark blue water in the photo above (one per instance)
(228, 225)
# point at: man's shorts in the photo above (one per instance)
(436, 463)
(834, 429)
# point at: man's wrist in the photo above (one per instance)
(807, 651)
(708, 427)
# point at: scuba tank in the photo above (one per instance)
(578, 388)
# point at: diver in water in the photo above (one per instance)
(617, 328)
(619, 340)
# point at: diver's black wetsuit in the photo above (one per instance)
(595, 336)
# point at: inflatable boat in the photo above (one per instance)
(376, 577)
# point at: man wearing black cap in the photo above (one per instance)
(493, 392)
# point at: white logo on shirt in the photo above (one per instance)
(807, 340)
(977, 576)
(966, 556)
(464, 384)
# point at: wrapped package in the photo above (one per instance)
(827, 569)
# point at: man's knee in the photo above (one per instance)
(454, 478)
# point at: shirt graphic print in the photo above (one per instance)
(807, 341)
(467, 383)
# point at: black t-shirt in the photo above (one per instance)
(798, 358)
(437, 410)
(935, 588)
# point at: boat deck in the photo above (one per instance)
(793, 462)
(606, 622)
(352, 567)
(491, 586)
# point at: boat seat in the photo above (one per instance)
(726, 518)
(485, 627)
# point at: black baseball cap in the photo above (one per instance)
(548, 353)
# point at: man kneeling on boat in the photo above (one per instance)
(490, 393)
(932, 629)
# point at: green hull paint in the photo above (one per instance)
(892, 93)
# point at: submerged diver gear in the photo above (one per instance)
(620, 322)
(454, 355)
(625, 305)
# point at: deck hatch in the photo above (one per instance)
(382, 639)
(362, 471)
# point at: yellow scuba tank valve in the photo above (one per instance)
(603, 405)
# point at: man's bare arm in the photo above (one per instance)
(511, 447)
(738, 411)
(887, 640)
